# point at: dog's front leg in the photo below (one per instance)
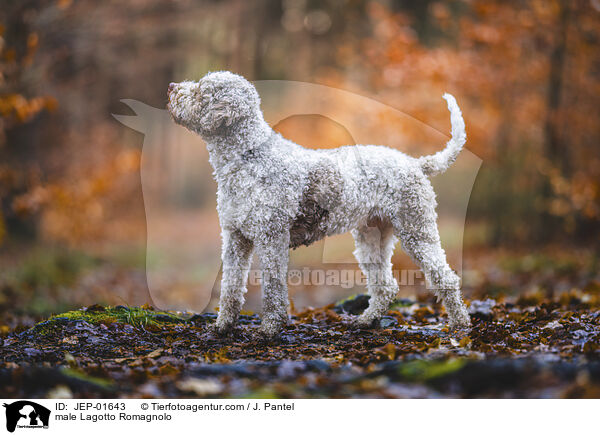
(236, 257)
(274, 256)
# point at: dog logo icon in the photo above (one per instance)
(26, 414)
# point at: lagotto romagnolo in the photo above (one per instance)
(274, 194)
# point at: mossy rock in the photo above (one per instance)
(354, 304)
(358, 303)
(144, 317)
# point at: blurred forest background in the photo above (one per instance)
(526, 74)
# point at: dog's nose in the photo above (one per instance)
(171, 86)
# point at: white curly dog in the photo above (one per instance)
(274, 195)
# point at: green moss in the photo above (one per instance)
(105, 384)
(426, 370)
(401, 303)
(260, 393)
(140, 317)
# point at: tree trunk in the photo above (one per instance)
(556, 150)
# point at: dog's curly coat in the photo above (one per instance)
(274, 195)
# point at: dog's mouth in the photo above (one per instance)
(182, 103)
(170, 90)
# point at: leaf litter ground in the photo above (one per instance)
(530, 347)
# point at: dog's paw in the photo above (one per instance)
(271, 327)
(460, 323)
(222, 329)
(364, 322)
(268, 333)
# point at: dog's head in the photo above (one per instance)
(216, 102)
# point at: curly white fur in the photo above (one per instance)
(274, 195)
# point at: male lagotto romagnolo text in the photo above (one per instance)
(274, 194)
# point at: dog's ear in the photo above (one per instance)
(221, 113)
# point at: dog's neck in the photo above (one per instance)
(226, 151)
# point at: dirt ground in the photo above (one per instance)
(524, 347)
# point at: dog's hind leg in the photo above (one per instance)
(374, 249)
(236, 257)
(422, 243)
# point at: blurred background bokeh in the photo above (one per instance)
(72, 217)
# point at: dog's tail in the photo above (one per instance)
(442, 160)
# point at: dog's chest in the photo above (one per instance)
(248, 199)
